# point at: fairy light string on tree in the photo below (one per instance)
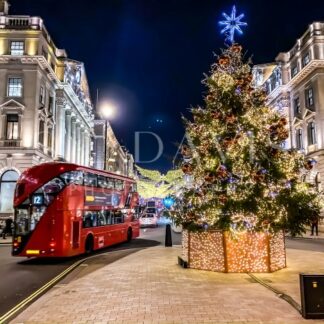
(243, 178)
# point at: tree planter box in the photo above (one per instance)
(246, 252)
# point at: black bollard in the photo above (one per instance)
(168, 236)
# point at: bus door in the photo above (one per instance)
(75, 234)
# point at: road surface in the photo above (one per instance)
(20, 277)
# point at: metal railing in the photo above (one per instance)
(10, 143)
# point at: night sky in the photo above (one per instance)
(149, 56)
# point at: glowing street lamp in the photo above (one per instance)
(107, 110)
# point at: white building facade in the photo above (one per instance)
(46, 112)
(108, 154)
(295, 85)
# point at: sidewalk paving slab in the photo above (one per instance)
(149, 287)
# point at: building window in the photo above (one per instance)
(7, 188)
(311, 133)
(294, 71)
(14, 87)
(41, 132)
(17, 48)
(306, 59)
(42, 95)
(297, 107)
(299, 139)
(309, 97)
(50, 105)
(12, 127)
(49, 138)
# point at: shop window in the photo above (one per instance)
(7, 187)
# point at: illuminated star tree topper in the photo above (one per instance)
(232, 23)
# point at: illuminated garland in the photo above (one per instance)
(153, 184)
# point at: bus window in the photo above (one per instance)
(108, 216)
(75, 177)
(36, 214)
(134, 187)
(101, 218)
(90, 219)
(90, 179)
(22, 221)
(51, 189)
(119, 184)
(118, 217)
(128, 200)
(102, 182)
(111, 183)
(138, 211)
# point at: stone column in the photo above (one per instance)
(73, 139)
(60, 126)
(68, 136)
(82, 146)
(78, 143)
(86, 148)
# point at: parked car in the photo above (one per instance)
(148, 220)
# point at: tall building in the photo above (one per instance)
(118, 159)
(45, 107)
(295, 85)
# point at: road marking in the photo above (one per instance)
(49, 285)
(35, 294)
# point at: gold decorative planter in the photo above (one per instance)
(245, 252)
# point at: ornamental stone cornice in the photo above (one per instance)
(12, 106)
(303, 73)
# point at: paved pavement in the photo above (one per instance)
(24, 276)
(149, 287)
(7, 240)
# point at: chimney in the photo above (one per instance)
(4, 7)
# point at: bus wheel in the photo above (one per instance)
(129, 235)
(89, 244)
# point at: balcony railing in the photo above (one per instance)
(23, 22)
(10, 143)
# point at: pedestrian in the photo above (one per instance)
(314, 225)
(8, 228)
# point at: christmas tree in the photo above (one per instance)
(242, 177)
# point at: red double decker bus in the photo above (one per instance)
(63, 209)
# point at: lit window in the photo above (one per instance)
(311, 133)
(297, 107)
(12, 132)
(41, 132)
(14, 87)
(294, 71)
(17, 48)
(299, 139)
(309, 97)
(306, 59)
